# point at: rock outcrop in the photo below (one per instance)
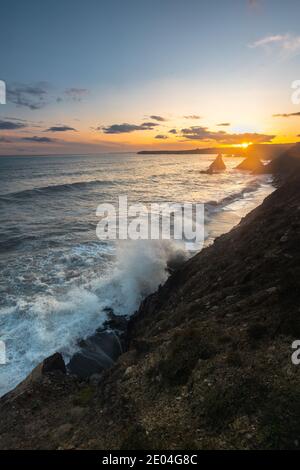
(252, 164)
(101, 350)
(97, 353)
(285, 165)
(216, 166)
(54, 363)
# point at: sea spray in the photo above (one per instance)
(141, 266)
(37, 327)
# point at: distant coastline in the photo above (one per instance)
(196, 151)
(267, 151)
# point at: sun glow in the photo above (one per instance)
(244, 145)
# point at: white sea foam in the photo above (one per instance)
(37, 327)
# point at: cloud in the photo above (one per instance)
(125, 128)
(173, 131)
(161, 136)
(268, 40)
(286, 115)
(9, 118)
(255, 5)
(29, 96)
(25, 121)
(287, 44)
(192, 116)
(158, 118)
(76, 94)
(5, 140)
(36, 139)
(223, 124)
(200, 133)
(36, 96)
(222, 137)
(60, 129)
(9, 125)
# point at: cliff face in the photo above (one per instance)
(285, 165)
(209, 356)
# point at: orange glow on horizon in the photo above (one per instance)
(244, 145)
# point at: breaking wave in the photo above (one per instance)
(35, 327)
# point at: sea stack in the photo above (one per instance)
(216, 166)
(251, 164)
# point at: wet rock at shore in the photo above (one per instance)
(114, 322)
(98, 352)
(54, 363)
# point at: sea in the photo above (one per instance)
(57, 279)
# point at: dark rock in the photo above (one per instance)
(216, 166)
(252, 164)
(95, 379)
(83, 365)
(98, 352)
(285, 165)
(115, 322)
(106, 342)
(54, 363)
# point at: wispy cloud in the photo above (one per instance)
(32, 96)
(286, 115)
(125, 128)
(205, 135)
(224, 124)
(192, 116)
(25, 121)
(11, 125)
(60, 129)
(161, 136)
(37, 95)
(253, 3)
(76, 94)
(173, 131)
(158, 118)
(5, 140)
(287, 44)
(39, 140)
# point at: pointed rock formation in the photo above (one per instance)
(216, 166)
(251, 164)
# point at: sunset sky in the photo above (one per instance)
(123, 75)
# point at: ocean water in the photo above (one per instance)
(56, 278)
